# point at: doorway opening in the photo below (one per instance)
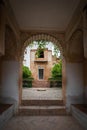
(43, 61)
(46, 71)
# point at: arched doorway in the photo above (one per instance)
(57, 42)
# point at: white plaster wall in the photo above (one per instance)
(10, 75)
(75, 83)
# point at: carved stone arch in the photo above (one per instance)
(46, 37)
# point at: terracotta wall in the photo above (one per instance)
(45, 63)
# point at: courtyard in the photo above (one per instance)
(42, 93)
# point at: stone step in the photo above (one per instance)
(79, 111)
(42, 102)
(42, 110)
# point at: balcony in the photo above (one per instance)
(40, 60)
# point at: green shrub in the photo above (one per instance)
(27, 77)
(26, 72)
(57, 70)
(27, 82)
(56, 75)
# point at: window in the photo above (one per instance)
(40, 73)
(41, 54)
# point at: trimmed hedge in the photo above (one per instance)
(27, 83)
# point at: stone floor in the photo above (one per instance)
(43, 123)
(42, 93)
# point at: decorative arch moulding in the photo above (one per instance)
(46, 37)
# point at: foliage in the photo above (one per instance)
(41, 47)
(38, 52)
(56, 51)
(26, 72)
(56, 77)
(57, 70)
(27, 77)
(42, 44)
(27, 82)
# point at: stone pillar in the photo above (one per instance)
(64, 80)
(74, 70)
(10, 76)
(74, 84)
(20, 82)
(85, 48)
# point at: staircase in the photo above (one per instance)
(42, 108)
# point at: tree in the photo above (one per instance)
(57, 70)
(27, 77)
(26, 72)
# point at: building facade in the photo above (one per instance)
(41, 67)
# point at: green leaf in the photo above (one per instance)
(26, 72)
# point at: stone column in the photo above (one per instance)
(74, 70)
(64, 80)
(10, 76)
(74, 84)
(85, 48)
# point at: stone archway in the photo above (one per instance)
(57, 42)
(46, 37)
